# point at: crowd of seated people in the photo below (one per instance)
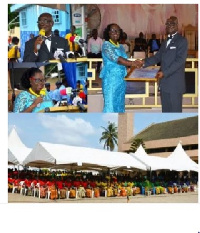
(62, 184)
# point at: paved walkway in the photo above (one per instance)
(191, 197)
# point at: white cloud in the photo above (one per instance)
(69, 131)
(112, 117)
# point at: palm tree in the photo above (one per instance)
(135, 144)
(109, 136)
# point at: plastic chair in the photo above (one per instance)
(67, 193)
(36, 190)
(15, 187)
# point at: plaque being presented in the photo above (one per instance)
(143, 74)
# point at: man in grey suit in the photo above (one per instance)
(172, 56)
(42, 48)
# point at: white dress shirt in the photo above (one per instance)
(168, 41)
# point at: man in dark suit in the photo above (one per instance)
(154, 44)
(41, 48)
(172, 56)
(140, 43)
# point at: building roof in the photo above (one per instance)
(18, 7)
(170, 129)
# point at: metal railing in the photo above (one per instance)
(150, 98)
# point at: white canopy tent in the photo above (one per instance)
(180, 161)
(17, 147)
(12, 160)
(63, 156)
(152, 162)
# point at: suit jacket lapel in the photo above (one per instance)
(54, 45)
(172, 42)
(44, 47)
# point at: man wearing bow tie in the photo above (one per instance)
(172, 56)
(41, 48)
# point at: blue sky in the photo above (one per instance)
(71, 129)
(76, 129)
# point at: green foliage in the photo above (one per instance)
(51, 68)
(110, 136)
(11, 16)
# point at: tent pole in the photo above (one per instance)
(150, 175)
(18, 171)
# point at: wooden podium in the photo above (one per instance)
(70, 108)
(78, 59)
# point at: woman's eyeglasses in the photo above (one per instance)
(38, 80)
(45, 21)
(115, 31)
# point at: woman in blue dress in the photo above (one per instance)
(35, 98)
(114, 70)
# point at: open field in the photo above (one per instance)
(191, 197)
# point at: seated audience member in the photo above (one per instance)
(42, 47)
(14, 53)
(9, 41)
(48, 88)
(94, 47)
(126, 44)
(74, 47)
(82, 93)
(64, 85)
(56, 93)
(154, 44)
(140, 43)
(31, 36)
(79, 86)
(35, 98)
(56, 32)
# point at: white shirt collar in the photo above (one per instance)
(172, 34)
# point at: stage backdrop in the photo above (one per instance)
(146, 18)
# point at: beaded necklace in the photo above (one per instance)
(116, 45)
(42, 92)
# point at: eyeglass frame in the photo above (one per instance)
(45, 21)
(38, 80)
(115, 31)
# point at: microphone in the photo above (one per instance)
(71, 39)
(66, 91)
(63, 92)
(77, 101)
(62, 59)
(82, 95)
(77, 40)
(58, 54)
(82, 41)
(42, 35)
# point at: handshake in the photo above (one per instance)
(138, 63)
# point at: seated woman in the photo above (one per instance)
(35, 97)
